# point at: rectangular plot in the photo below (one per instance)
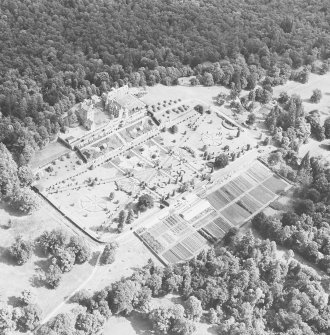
(262, 194)
(180, 228)
(171, 257)
(258, 172)
(167, 239)
(204, 220)
(158, 229)
(244, 183)
(171, 220)
(182, 252)
(194, 242)
(232, 190)
(250, 203)
(213, 230)
(235, 214)
(221, 223)
(275, 184)
(219, 199)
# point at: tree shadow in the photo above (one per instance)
(325, 146)
(176, 300)
(14, 301)
(213, 330)
(94, 257)
(42, 264)
(38, 251)
(5, 257)
(140, 324)
(11, 211)
(37, 280)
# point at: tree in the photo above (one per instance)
(289, 219)
(25, 175)
(63, 323)
(327, 127)
(163, 319)
(174, 129)
(274, 158)
(7, 324)
(80, 249)
(65, 259)
(111, 196)
(21, 251)
(9, 182)
(221, 161)
(89, 323)
(125, 294)
(130, 217)
(304, 207)
(122, 216)
(27, 297)
(52, 241)
(53, 275)
(194, 81)
(25, 200)
(193, 308)
(109, 253)
(207, 79)
(145, 202)
(316, 96)
(251, 118)
(30, 317)
(184, 327)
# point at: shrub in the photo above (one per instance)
(145, 201)
(221, 161)
(109, 253)
(21, 251)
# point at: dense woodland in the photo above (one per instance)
(55, 54)
(240, 289)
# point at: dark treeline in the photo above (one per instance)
(56, 53)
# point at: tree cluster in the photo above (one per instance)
(64, 252)
(306, 230)
(24, 317)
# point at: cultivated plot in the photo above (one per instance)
(246, 194)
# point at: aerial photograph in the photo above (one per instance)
(165, 167)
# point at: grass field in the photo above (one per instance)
(48, 154)
(14, 279)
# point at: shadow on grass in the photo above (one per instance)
(42, 264)
(140, 324)
(38, 279)
(94, 257)
(10, 210)
(14, 301)
(213, 330)
(38, 251)
(5, 257)
(325, 146)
